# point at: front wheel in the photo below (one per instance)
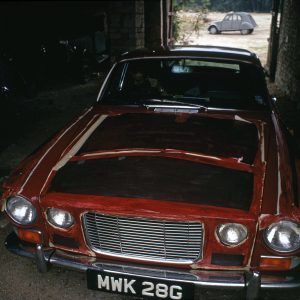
(213, 30)
(245, 31)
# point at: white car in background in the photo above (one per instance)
(234, 21)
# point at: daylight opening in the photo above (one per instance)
(239, 24)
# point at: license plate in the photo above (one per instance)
(139, 286)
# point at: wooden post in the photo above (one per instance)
(274, 38)
(165, 24)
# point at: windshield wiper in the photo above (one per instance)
(168, 101)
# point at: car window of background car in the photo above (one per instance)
(228, 18)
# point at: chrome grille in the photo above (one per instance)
(144, 238)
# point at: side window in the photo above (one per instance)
(239, 18)
(228, 17)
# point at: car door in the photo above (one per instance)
(226, 23)
(236, 22)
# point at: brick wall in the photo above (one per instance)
(287, 75)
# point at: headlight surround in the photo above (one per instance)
(283, 236)
(232, 234)
(21, 210)
(59, 218)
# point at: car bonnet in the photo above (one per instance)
(144, 155)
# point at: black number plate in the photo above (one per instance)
(139, 286)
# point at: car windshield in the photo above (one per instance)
(185, 81)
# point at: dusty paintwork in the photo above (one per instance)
(88, 139)
(38, 178)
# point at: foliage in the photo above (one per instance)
(224, 5)
(241, 5)
(196, 5)
(183, 29)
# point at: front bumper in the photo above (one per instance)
(247, 283)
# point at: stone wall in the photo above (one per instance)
(125, 25)
(153, 23)
(287, 76)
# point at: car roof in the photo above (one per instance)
(242, 13)
(238, 13)
(206, 52)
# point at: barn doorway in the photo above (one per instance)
(192, 18)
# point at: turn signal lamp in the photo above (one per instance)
(272, 263)
(30, 236)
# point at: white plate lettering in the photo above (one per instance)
(109, 283)
(161, 290)
(135, 286)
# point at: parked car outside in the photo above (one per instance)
(234, 21)
(180, 179)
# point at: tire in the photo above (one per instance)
(213, 30)
(245, 31)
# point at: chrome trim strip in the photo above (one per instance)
(195, 57)
(104, 84)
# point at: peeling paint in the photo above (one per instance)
(81, 141)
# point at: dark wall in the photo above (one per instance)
(44, 19)
(288, 60)
(123, 22)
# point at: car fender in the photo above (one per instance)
(246, 25)
(216, 24)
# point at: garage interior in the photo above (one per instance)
(39, 38)
(29, 117)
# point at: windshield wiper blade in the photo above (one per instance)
(168, 101)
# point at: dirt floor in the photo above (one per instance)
(29, 124)
(20, 280)
(256, 42)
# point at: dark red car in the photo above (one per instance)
(179, 180)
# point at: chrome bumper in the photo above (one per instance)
(250, 283)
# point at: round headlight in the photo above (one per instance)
(231, 234)
(283, 236)
(21, 210)
(60, 218)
